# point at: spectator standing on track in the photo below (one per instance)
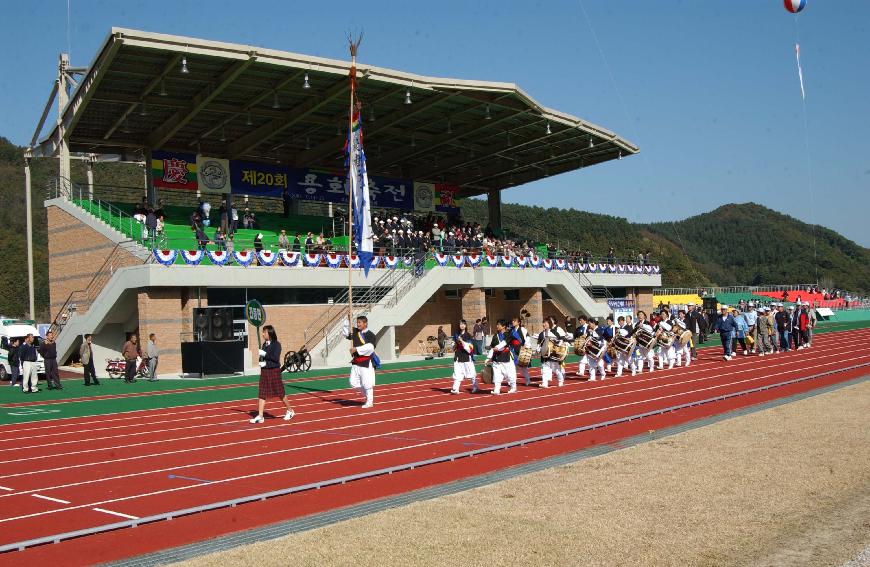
(727, 327)
(27, 355)
(763, 330)
(86, 353)
(811, 314)
(48, 350)
(742, 330)
(751, 318)
(783, 326)
(479, 336)
(153, 356)
(14, 362)
(271, 385)
(442, 340)
(130, 352)
(695, 323)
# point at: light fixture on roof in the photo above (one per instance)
(248, 120)
(125, 127)
(275, 103)
(372, 114)
(449, 127)
(162, 88)
(142, 110)
(307, 143)
(509, 144)
(184, 70)
(620, 155)
(413, 141)
(407, 96)
(549, 131)
(471, 153)
(305, 84)
(223, 134)
(488, 116)
(591, 144)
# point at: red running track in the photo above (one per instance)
(84, 472)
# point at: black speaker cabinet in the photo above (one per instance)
(213, 323)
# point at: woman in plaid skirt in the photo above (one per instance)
(271, 385)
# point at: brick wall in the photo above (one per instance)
(425, 322)
(161, 313)
(75, 253)
(290, 322)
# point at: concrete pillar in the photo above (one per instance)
(28, 205)
(473, 304)
(386, 348)
(89, 164)
(150, 191)
(493, 200)
(64, 175)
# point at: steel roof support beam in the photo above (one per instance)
(262, 134)
(182, 117)
(173, 64)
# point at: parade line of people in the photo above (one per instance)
(662, 340)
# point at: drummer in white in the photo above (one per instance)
(549, 365)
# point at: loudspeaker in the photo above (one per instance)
(221, 324)
(213, 323)
(710, 304)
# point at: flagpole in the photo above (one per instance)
(354, 45)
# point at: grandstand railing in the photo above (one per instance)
(712, 291)
(79, 301)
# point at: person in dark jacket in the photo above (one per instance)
(727, 327)
(14, 362)
(48, 350)
(783, 327)
(27, 355)
(271, 385)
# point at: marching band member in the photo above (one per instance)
(683, 349)
(499, 356)
(463, 358)
(595, 363)
(516, 340)
(643, 353)
(666, 353)
(608, 332)
(581, 331)
(623, 359)
(362, 351)
(549, 364)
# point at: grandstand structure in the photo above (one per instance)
(277, 123)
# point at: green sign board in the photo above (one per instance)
(254, 313)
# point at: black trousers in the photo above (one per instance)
(130, 371)
(52, 377)
(90, 373)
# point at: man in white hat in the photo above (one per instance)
(667, 352)
(680, 348)
(764, 329)
(623, 359)
(644, 353)
(751, 318)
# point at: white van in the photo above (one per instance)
(18, 329)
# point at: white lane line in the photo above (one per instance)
(7, 488)
(443, 401)
(408, 447)
(389, 451)
(144, 413)
(104, 511)
(50, 498)
(415, 385)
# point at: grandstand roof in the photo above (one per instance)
(246, 102)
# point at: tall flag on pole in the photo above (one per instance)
(358, 182)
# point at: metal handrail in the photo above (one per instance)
(85, 296)
(712, 290)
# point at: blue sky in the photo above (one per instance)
(708, 90)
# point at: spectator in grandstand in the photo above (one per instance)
(201, 238)
(234, 220)
(296, 244)
(246, 218)
(223, 211)
(151, 222)
(286, 200)
(205, 211)
(219, 239)
(727, 327)
(159, 212)
(321, 241)
(283, 241)
(195, 220)
(130, 352)
(230, 244)
(611, 256)
(309, 242)
(258, 242)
